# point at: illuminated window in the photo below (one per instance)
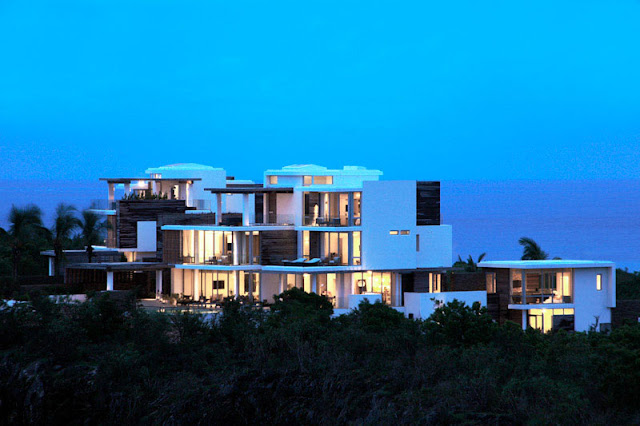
(491, 282)
(393, 232)
(306, 180)
(273, 180)
(599, 282)
(405, 232)
(323, 180)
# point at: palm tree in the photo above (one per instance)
(26, 225)
(531, 250)
(64, 224)
(91, 231)
(470, 265)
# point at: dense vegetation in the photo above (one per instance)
(106, 362)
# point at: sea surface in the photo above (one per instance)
(598, 220)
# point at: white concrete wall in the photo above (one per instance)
(588, 301)
(356, 299)
(422, 305)
(176, 281)
(270, 286)
(436, 246)
(146, 236)
(387, 206)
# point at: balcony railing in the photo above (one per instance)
(200, 204)
(221, 260)
(102, 204)
(277, 219)
(312, 220)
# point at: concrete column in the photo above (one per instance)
(281, 277)
(236, 287)
(314, 283)
(259, 284)
(265, 208)
(524, 314)
(112, 191)
(109, 280)
(398, 289)
(196, 284)
(246, 210)
(350, 212)
(52, 266)
(300, 237)
(127, 188)
(182, 191)
(250, 246)
(218, 209)
(236, 247)
(350, 248)
(158, 284)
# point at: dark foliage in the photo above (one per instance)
(107, 362)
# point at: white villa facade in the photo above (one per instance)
(343, 233)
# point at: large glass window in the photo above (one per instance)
(541, 286)
(491, 282)
(550, 319)
(323, 180)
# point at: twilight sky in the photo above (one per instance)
(544, 89)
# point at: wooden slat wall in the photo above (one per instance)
(276, 246)
(498, 304)
(427, 203)
(131, 212)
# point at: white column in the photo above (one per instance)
(398, 287)
(246, 210)
(350, 202)
(127, 188)
(236, 247)
(250, 246)
(218, 209)
(524, 314)
(109, 280)
(52, 266)
(350, 248)
(314, 283)
(281, 276)
(300, 238)
(158, 284)
(112, 191)
(259, 284)
(182, 191)
(236, 287)
(265, 208)
(196, 284)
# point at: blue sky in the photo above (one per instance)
(421, 90)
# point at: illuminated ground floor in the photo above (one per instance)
(258, 285)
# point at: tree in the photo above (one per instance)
(64, 224)
(531, 250)
(26, 225)
(470, 265)
(91, 231)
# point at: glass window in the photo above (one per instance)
(357, 250)
(306, 180)
(599, 282)
(405, 232)
(322, 180)
(273, 180)
(491, 282)
(393, 232)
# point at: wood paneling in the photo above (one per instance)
(276, 246)
(498, 303)
(427, 203)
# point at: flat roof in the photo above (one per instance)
(315, 170)
(146, 178)
(250, 190)
(546, 264)
(121, 266)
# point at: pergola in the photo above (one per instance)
(111, 267)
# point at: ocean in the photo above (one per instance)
(598, 220)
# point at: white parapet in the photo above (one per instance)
(355, 299)
(422, 305)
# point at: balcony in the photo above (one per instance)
(312, 220)
(102, 204)
(200, 204)
(277, 220)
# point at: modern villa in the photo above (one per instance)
(193, 231)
